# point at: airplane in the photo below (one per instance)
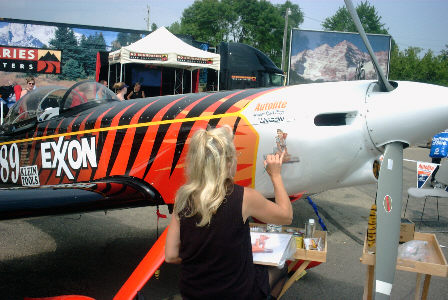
(78, 149)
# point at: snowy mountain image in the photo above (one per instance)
(27, 35)
(326, 63)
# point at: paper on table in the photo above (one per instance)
(271, 248)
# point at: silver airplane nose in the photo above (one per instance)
(412, 113)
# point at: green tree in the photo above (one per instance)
(202, 20)
(444, 53)
(65, 40)
(256, 23)
(90, 47)
(121, 41)
(73, 70)
(133, 37)
(407, 65)
(342, 21)
(124, 39)
(294, 20)
(153, 27)
(174, 28)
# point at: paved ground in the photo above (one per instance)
(93, 254)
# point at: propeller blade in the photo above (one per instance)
(388, 201)
(384, 83)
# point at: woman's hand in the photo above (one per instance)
(273, 164)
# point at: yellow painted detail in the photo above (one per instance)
(147, 124)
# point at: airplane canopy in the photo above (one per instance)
(46, 102)
(163, 48)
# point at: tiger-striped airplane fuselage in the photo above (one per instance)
(81, 149)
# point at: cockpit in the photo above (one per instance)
(45, 103)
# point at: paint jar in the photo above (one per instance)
(273, 228)
(309, 228)
(298, 236)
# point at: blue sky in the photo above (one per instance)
(109, 36)
(419, 23)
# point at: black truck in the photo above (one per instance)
(243, 66)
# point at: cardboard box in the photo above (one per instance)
(407, 229)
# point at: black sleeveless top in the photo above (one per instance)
(217, 259)
(136, 95)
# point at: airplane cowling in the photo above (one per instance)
(411, 113)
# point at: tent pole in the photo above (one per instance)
(108, 76)
(121, 72)
(175, 81)
(191, 81)
(218, 80)
(161, 80)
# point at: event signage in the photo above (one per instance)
(148, 56)
(244, 78)
(195, 60)
(424, 171)
(113, 57)
(439, 145)
(30, 60)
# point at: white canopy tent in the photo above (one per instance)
(162, 48)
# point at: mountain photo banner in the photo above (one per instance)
(320, 56)
(30, 60)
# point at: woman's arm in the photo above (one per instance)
(129, 95)
(143, 94)
(173, 241)
(257, 206)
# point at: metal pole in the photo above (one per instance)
(218, 80)
(285, 34)
(108, 77)
(148, 23)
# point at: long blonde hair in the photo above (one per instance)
(210, 166)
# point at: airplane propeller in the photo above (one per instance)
(389, 192)
(388, 199)
(384, 83)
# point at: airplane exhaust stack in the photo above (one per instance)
(412, 113)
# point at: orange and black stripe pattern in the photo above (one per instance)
(147, 138)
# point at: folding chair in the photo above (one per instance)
(437, 192)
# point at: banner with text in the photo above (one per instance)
(424, 171)
(30, 60)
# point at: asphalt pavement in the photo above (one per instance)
(94, 253)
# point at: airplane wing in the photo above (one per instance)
(113, 192)
(144, 271)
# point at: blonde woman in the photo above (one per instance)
(121, 89)
(209, 230)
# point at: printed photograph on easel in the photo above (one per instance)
(320, 56)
